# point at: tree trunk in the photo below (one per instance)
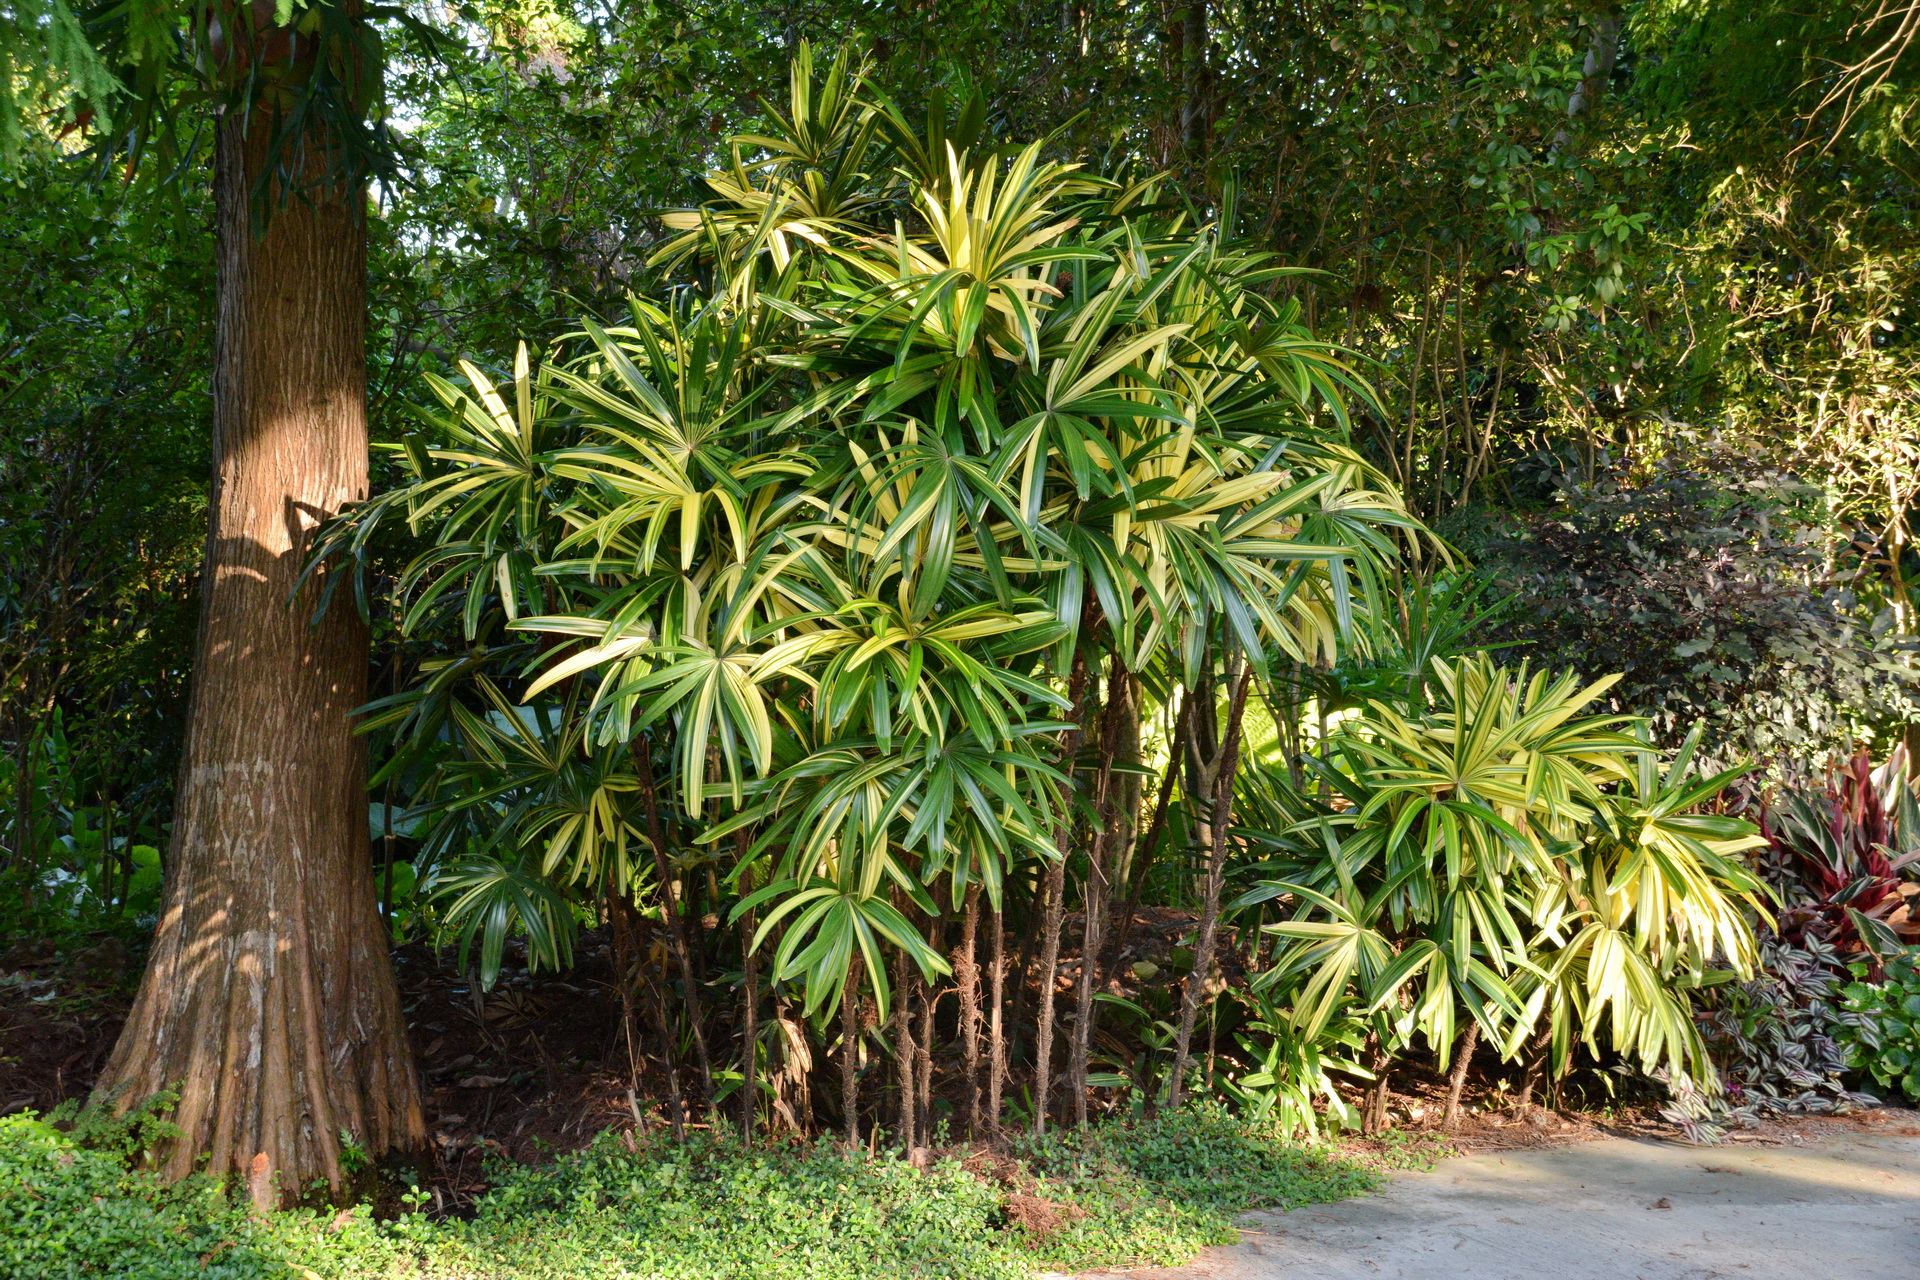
(269, 1001)
(749, 1023)
(923, 1061)
(1530, 1077)
(1097, 888)
(996, 1027)
(850, 1054)
(1380, 1062)
(1200, 752)
(903, 1050)
(621, 919)
(671, 907)
(663, 1028)
(966, 974)
(1150, 843)
(1229, 759)
(1602, 51)
(1194, 109)
(1457, 1078)
(1056, 899)
(1027, 927)
(1056, 889)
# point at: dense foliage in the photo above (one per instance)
(1885, 1041)
(1706, 581)
(1025, 563)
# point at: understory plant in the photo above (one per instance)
(1490, 862)
(1702, 574)
(1122, 1194)
(1881, 1034)
(1844, 856)
(1805, 1033)
(853, 624)
(1780, 1038)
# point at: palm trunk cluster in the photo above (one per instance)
(998, 1039)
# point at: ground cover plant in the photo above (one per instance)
(1132, 1194)
(1883, 1040)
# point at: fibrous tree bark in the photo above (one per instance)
(1457, 1077)
(1055, 883)
(1056, 893)
(749, 1012)
(1223, 771)
(850, 1055)
(671, 907)
(923, 1046)
(1101, 858)
(269, 1001)
(996, 1022)
(966, 975)
(903, 1048)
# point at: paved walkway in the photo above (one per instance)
(1845, 1207)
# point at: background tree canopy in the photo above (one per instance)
(1558, 280)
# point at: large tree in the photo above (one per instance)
(269, 1004)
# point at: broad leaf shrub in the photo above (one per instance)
(1884, 1042)
(1808, 1027)
(1502, 860)
(624, 1209)
(1703, 580)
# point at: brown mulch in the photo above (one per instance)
(531, 1069)
(59, 1019)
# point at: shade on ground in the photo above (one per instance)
(1845, 1207)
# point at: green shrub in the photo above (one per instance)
(1885, 1041)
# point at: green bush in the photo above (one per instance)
(1137, 1191)
(1885, 1041)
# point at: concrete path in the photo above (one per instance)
(1844, 1207)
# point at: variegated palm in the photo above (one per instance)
(833, 536)
(808, 180)
(1653, 902)
(1503, 856)
(1429, 873)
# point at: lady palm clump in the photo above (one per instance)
(839, 608)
